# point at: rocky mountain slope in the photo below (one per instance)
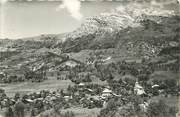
(134, 30)
(137, 30)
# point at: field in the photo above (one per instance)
(84, 112)
(78, 111)
(170, 101)
(28, 87)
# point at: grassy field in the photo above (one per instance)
(170, 101)
(27, 87)
(78, 111)
(84, 112)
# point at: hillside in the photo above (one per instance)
(140, 31)
(122, 63)
(129, 31)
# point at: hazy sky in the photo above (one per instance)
(22, 19)
(26, 19)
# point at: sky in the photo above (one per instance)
(28, 19)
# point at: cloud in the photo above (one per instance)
(3, 1)
(178, 1)
(73, 7)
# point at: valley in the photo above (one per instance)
(123, 63)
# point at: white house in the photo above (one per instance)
(138, 89)
(106, 93)
(81, 84)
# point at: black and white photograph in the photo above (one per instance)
(89, 58)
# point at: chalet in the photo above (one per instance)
(81, 85)
(90, 61)
(67, 98)
(106, 92)
(138, 89)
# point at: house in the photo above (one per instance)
(90, 62)
(106, 92)
(67, 98)
(138, 89)
(81, 85)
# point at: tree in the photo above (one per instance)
(69, 114)
(62, 92)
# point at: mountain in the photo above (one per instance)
(129, 31)
(140, 31)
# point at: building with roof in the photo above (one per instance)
(138, 89)
(106, 92)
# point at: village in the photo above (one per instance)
(90, 58)
(94, 85)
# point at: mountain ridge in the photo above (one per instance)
(135, 31)
(110, 29)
